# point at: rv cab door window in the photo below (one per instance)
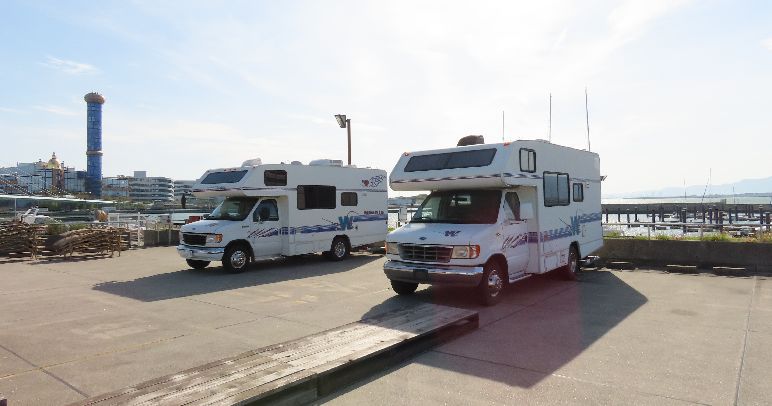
(513, 202)
(266, 211)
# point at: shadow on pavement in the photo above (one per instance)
(540, 325)
(189, 282)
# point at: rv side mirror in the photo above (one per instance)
(526, 211)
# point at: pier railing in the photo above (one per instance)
(684, 229)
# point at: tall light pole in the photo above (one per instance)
(344, 122)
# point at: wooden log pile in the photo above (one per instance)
(100, 240)
(17, 238)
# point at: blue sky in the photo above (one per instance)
(677, 88)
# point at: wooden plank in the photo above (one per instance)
(311, 344)
(244, 358)
(290, 372)
(387, 339)
(295, 360)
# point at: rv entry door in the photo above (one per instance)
(265, 235)
(515, 237)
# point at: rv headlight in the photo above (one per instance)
(392, 248)
(213, 238)
(465, 251)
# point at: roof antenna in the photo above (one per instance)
(587, 115)
(502, 125)
(550, 131)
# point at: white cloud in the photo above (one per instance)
(70, 67)
(58, 110)
(9, 110)
(767, 43)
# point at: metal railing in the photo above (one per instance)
(633, 229)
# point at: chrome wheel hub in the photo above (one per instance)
(340, 249)
(238, 259)
(495, 283)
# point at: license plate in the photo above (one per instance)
(421, 274)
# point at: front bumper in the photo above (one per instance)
(433, 274)
(201, 253)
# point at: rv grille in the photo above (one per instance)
(194, 239)
(425, 253)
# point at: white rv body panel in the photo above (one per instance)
(291, 229)
(567, 214)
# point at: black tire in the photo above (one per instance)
(570, 271)
(339, 249)
(492, 284)
(197, 264)
(236, 259)
(404, 288)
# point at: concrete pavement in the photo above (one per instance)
(74, 329)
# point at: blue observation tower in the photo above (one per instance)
(94, 102)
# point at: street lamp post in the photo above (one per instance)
(344, 122)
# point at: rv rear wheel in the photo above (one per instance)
(492, 284)
(197, 264)
(339, 249)
(236, 259)
(572, 268)
(404, 288)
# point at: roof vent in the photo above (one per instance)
(326, 162)
(252, 162)
(471, 140)
(296, 163)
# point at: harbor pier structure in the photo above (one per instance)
(94, 102)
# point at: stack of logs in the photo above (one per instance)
(100, 240)
(23, 239)
(16, 237)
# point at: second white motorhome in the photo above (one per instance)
(497, 213)
(278, 210)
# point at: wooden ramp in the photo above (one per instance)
(303, 370)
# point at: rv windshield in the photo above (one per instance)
(233, 208)
(460, 207)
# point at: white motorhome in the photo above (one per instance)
(497, 213)
(276, 210)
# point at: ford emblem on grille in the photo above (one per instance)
(422, 238)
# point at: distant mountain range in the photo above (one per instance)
(746, 187)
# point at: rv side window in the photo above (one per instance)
(316, 197)
(513, 201)
(349, 199)
(556, 189)
(578, 192)
(527, 160)
(224, 177)
(451, 160)
(275, 178)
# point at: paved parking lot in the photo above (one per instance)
(79, 328)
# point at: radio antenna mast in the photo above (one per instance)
(587, 115)
(502, 125)
(550, 130)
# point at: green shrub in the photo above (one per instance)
(717, 237)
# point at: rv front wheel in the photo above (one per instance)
(404, 288)
(492, 283)
(236, 259)
(197, 264)
(339, 249)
